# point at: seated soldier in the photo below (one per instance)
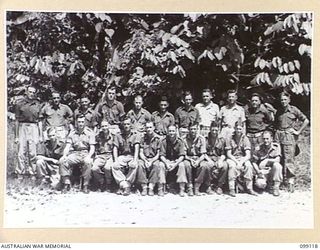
(216, 157)
(47, 161)
(267, 157)
(126, 154)
(194, 160)
(239, 153)
(172, 153)
(103, 161)
(149, 161)
(80, 146)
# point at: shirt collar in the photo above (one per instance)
(192, 108)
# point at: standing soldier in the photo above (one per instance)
(149, 163)
(48, 154)
(138, 115)
(57, 115)
(162, 119)
(126, 155)
(230, 114)
(267, 157)
(194, 160)
(28, 131)
(81, 141)
(216, 157)
(258, 119)
(239, 153)
(111, 110)
(172, 153)
(89, 113)
(208, 112)
(186, 115)
(287, 133)
(104, 159)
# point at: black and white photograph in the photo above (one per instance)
(158, 120)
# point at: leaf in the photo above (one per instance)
(98, 27)
(296, 77)
(104, 17)
(256, 62)
(224, 67)
(61, 16)
(175, 28)
(210, 55)
(189, 54)
(262, 64)
(109, 32)
(302, 49)
(200, 30)
(297, 64)
(286, 68)
(217, 53)
(268, 31)
(267, 78)
(291, 66)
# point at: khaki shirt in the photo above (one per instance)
(81, 141)
(172, 150)
(288, 118)
(112, 113)
(126, 143)
(207, 113)
(90, 117)
(184, 118)
(140, 119)
(196, 146)
(238, 149)
(105, 144)
(162, 123)
(264, 152)
(215, 147)
(48, 149)
(27, 110)
(229, 116)
(257, 120)
(150, 146)
(56, 117)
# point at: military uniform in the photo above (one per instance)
(162, 123)
(229, 116)
(54, 150)
(27, 116)
(195, 147)
(215, 149)
(126, 146)
(284, 120)
(111, 113)
(273, 169)
(238, 151)
(257, 121)
(139, 119)
(103, 161)
(184, 118)
(80, 145)
(207, 114)
(90, 117)
(58, 117)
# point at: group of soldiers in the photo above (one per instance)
(199, 148)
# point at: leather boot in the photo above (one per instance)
(160, 189)
(276, 188)
(232, 192)
(66, 188)
(144, 189)
(182, 187)
(85, 189)
(249, 187)
(196, 189)
(150, 189)
(190, 189)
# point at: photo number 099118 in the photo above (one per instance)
(180, 120)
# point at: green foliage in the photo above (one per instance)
(156, 53)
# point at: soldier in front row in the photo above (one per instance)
(80, 147)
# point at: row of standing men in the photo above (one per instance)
(253, 121)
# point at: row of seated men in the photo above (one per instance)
(32, 118)
(150, 161)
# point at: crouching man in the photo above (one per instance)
(126, 154)
(103, 161)
(47, 161)
(80, 147)
(149, 162)
(239, 153)
(172, 153)
(267, 158)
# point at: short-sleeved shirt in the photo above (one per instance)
(27, 110)
(184, 118)
(105, 143)
(52, 150)
(110, 112)
(139, 119)
(126, 143)
(90, 117)
(56, 117)
(81, 140)
(195, 146)
(207, 113)
(150, 145)
(162, 123)
(287, 118)
(265, 152)
(215, 146)
(238, 149)
(172, 150)
(257, 120)
(230, 115)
